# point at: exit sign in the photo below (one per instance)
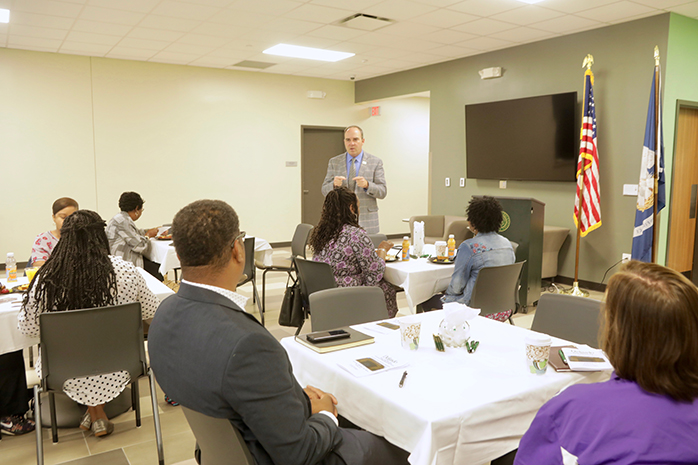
(375, 111)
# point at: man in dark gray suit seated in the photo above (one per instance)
(211, 356)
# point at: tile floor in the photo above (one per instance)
(136, 446)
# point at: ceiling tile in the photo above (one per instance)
(145, 44)
(574, 6)
(439, 3)
(128, 53)
(484, 26)
(154, 34)
(294, 26)
(90, 38)
(109, 15)
(522, 35)
(448, 36)
(663, 4)
(376, 39)
(48, 7)
(205, 40)
(336, 32)
(485, 43)
(357, 5)
(690, 10)
(652, 12)
(216, 3)
(139, 6)
(3, 40)
(399, 9)
(270, 37)
(4, 28)
(39, 42)
(316, 42)
(229, 54)
(317, 72)
(319, 14)
(486, 7)
(189, 49)
(213, 61)
(84, 48)
(246, 45)
(408, 29)
(386, 52)
(174, 58)
(82, 25)
(396, 64)
(275, 7)
(566, 24)
(241, 18)
(43, 32)
(527, 15)
(355, 47)
(454, 51)
(170, 24)
(32, 19)
(284, 68)
(221, 30)
(444, 18)
(183, 10)
(615, 11)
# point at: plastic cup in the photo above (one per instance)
(441, 250)
(30, 273)
(410, 327)
(538, 352)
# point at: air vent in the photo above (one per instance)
(365, 22)
(253, 64)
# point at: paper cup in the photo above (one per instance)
(410, 328)
(538, 352)
(441, 249)
(30, 272)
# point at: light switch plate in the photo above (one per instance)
(502, 184)
(630, 189)
(462, 182)
(448, 182)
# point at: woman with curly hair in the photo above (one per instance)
(339, 241)
(487, 248)
(79, 274)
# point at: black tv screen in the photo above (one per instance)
(530, 139)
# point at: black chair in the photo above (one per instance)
(219, 441)
(67, 346)
(497, 289)
(568, 317)
(313, 276)
(249, 275)
(300, 240)
(345, 306)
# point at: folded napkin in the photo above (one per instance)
(418, 237)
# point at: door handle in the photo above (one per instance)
(694, 194)
(306, 191)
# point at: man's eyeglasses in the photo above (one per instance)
(240, 237)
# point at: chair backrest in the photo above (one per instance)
(377, 239)
(433, 225)
(221, 443)
(496, 288)
(90, 342)
(249, 271)
(314, 276)
(345, 306)
(300, 240)
(568, 317)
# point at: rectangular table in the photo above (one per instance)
(11, 339)
(455, 407)
(163, 252)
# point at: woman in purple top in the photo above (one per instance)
(339, 241)
(647, 413)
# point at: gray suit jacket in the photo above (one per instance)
(372, 170)
(214, 358)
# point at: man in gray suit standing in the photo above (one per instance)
(211, 356)
(362, 173)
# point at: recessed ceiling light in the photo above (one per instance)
(296, 51)
(4, 15)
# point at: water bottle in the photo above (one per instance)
(451, 247)
(406, 248)
(11, 268)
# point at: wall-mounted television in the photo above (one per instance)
(527, 139)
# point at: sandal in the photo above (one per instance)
(102, 427)
(86, 421)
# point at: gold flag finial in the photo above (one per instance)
(588, 61)
(656, 55)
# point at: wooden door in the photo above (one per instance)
(318, 145)
(684, 198)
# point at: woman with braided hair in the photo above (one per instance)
(339, 241)
(79, 274)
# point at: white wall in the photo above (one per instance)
(91, 128)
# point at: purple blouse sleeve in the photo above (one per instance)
(540, 444)
(372, 266)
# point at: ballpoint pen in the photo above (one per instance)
(562, 357)
(402, 380)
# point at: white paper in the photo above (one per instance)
(372, 365)
(576, 365)
(163, 229)
(376, 327)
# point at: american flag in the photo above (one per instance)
(588, 164)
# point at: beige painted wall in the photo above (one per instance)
(91, 128)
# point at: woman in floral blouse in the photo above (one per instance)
(339, 241)
(46, 242)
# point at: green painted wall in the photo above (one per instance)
(623, 56)
(681, 84)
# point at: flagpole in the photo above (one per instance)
(587, 63)
(657, 150)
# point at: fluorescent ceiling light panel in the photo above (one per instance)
(296, 51)
(4, 15)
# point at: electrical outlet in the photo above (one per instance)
(448, 182)
(626, 257)
(502, 184)
(462, 182)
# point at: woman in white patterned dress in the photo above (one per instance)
(81, 274)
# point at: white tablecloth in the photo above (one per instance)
(10, 337)
(455, 407)
(419, 278)
(163, 252)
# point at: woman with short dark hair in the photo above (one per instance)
(648, 411)
(339, 241)
(81, 274)
(45, 242)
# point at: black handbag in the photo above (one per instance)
(291, 313)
